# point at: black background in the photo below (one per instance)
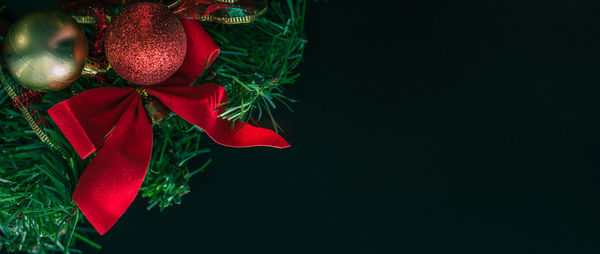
(422, 127)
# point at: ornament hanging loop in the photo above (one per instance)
(171, 5)
(93, 67)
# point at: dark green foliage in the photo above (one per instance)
(36, 182)
(167, 180)
(258, 60)
(36, 210)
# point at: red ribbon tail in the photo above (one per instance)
(113, 178)
(197, 104)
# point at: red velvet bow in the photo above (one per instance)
(113, 121)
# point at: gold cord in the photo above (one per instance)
(88, 20)
(26, 114)
(171, 6)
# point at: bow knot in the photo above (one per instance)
(143, 93)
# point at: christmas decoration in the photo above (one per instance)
(111, 181)
(98, 143)
(145, 43)
(45, 50)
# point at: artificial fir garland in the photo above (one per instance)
(37, 213)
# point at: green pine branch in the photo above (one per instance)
(37, 214)
(258, 60)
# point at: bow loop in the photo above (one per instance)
(87, 118)
(198, 104)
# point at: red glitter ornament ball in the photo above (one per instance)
(145, 43)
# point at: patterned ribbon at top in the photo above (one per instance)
(221, 11)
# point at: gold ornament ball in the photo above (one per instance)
(45, 50)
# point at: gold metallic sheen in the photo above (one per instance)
(93, 67)
(155, 110)
(175, 4)
(45, 50)
(88, 20)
